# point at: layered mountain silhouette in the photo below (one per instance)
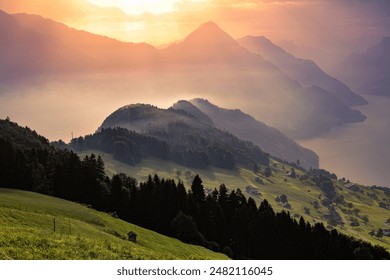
(304, 71)
(368, 72)
(207, 63)
(172, 135)
(195, 133)
(248, 128)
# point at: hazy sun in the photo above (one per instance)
(137, 7)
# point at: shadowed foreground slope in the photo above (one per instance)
(27, 232)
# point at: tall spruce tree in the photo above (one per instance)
(198, 190)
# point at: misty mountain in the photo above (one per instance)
(25, 52)
(108, 53)
(171, 135)
(368, 72)
(248, 128)
(207, 63)
(207, 44)
(304, 71)
(325, 59)
(223, 71)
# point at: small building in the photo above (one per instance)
(352, 186)
(258, 180)
(132, 236)
(252, 191)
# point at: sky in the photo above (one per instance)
(320, 24)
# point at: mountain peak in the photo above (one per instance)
(209, 33)
(208, 43)
(209, 24)
(209, 36)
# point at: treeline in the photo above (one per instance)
(126, 146)
(227, 221)
(178, 143)
(222, 220)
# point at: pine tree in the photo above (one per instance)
(198, 190)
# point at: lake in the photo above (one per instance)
(359, 152)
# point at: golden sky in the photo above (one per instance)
(137, 7)
(311, 23)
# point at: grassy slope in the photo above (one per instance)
(300, 194)
(27, 232)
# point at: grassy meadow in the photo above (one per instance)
(27, 232)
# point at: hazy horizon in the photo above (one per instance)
(57, 105)
(344, 25)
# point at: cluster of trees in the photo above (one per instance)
(326, 185)
(179, 143)
(126, 146)
(222, 220)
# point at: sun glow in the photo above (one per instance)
(136, 7)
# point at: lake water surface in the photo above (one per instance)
(359, 152)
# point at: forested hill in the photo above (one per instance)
(172, 135)
(248, 128)
(22, 137)
(222, 220)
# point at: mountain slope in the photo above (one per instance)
(317, 195)
(109, 53)
(246, 127)
(25, 52)
(183, 138)
(304, 71)
(368, 72)
(27, 232)
(351, 202)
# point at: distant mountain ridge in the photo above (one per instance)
(304, 71)
(207, 63)
(25, 52)
(368, 72)
(247, 128)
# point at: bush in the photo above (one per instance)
(227, 251)
(213, 246)
(184, 228)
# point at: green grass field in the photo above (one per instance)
(300, 194)
(27, 232)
